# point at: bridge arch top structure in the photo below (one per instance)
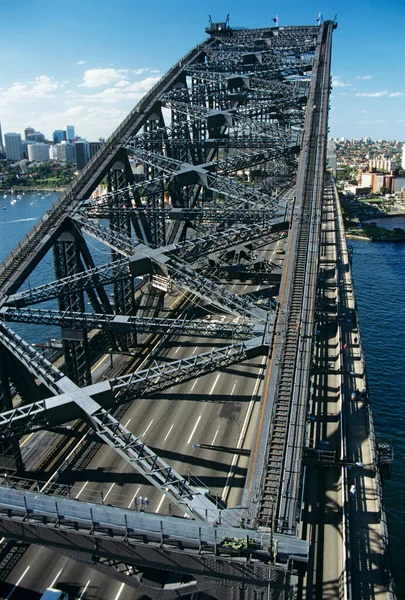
(194, 183)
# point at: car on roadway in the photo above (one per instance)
(280, 251)
(54, 594)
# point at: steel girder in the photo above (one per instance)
(130, 324)
(216, 182)
(61, 409)
(186, 277)
(202, 215)
(31, 359)
(102, 275)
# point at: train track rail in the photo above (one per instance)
(269, 513)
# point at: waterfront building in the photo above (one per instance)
(14, 149)
(38, 152)
(65, 152)
(59, 136)
(403, 157)
(28, 131)
(70, 132)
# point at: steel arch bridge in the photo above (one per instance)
(222, 158)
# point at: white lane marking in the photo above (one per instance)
(85, 588)
(147, 429)
(127, 423)
(168, 433)
(193, 432)
(215, 437)
(109, 491)
(215, 383)
(135, 495)
(249, 411)
(18, 582)
(160, 503)
(194, 384)
(195, 350)
(234, 386)
(119, 591)
(177, 350)
(80, 490)
(56, 578)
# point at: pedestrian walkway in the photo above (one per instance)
(367, 535)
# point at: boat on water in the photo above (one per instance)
(5, 196)
(13, 201)
(19, 197)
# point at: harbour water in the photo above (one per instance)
(379, 280)
(379, 276)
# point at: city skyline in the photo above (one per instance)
(102, 71)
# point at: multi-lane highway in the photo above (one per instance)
(218, 409)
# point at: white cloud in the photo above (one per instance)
(363, 77)
(123, 83)
(99, 77)
(372, 94)
(41, 87)
(155, 71)
(132, 91)
(81, 62)
(396, 94)
(337, 83)
(140, 71)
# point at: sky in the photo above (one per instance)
(87, 62)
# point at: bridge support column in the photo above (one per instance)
(118, 178)
(75, 343)
(10, 453)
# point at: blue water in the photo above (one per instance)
(17, 217)
(379, 280)
(379, 276)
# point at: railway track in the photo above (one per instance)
(268, 514)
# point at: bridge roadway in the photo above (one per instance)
(215, 409)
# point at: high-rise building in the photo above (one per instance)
(82, 153)
(25, 145)
(13, 145)
(28, 131)
(59, 136)
(403, 157)
(38, 152)
(94, 147)
(1, 140)
(36, 136)
(65, 151)
(70, 132)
